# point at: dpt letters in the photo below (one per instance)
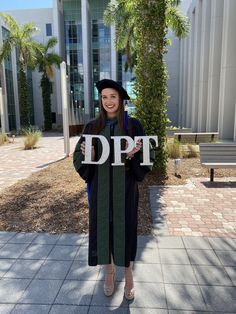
(117, 148)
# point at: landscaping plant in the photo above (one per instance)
(3, 138)
(31, 137)
(174, 150)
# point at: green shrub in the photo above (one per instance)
(185, 153)
(192, 151)
(173, 150)
(3, 138)
(189, 151)
(31, 137)
(57, 127)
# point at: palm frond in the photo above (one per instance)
(5, 51)
(177, 22)
(29, 54)
(120, 16)
(174, 3)
(29, 29)
(46, 60)
(37, 47)
(10, 22)
(54, 59)
(108, 16)
(51, 43)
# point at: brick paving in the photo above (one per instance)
(199, 208)
(17, 163)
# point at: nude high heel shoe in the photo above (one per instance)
(109, 290)
(129, 293)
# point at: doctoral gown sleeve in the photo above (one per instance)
(138, 171)
(86, 171)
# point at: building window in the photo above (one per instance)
(54, 117)
(49, 29)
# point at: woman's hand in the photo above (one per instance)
(135, 149)
(82, 147)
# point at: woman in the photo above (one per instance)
(112, 190)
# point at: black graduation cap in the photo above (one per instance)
(106, 83)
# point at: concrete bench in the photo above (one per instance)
(222, 155)
(170, 132)
(204, 137)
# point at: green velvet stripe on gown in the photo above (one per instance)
(103, 207)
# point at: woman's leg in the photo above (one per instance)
(109, 270)
(109, 283)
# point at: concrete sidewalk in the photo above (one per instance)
(43, 273)
(17, 163)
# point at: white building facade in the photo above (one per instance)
(207, 88)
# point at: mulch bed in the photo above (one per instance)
(54, 200)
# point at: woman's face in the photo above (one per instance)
(110, 101)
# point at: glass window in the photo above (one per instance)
(74, 51)
(72, 33)
(49, 29)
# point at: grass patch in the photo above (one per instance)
(3, 138)
(174, 150)
(31, 137)
(192, 151)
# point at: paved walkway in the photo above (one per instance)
(42, 273)
(199, 208)
(17, 163)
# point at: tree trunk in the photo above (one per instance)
(24, 99)
(46, 95)
(151, 75)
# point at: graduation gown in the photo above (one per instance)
(113, 199)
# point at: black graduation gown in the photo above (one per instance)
(113, 200)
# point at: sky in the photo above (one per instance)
(7, 5)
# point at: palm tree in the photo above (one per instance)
(121, 15)
(19, 37)
(45, 62)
